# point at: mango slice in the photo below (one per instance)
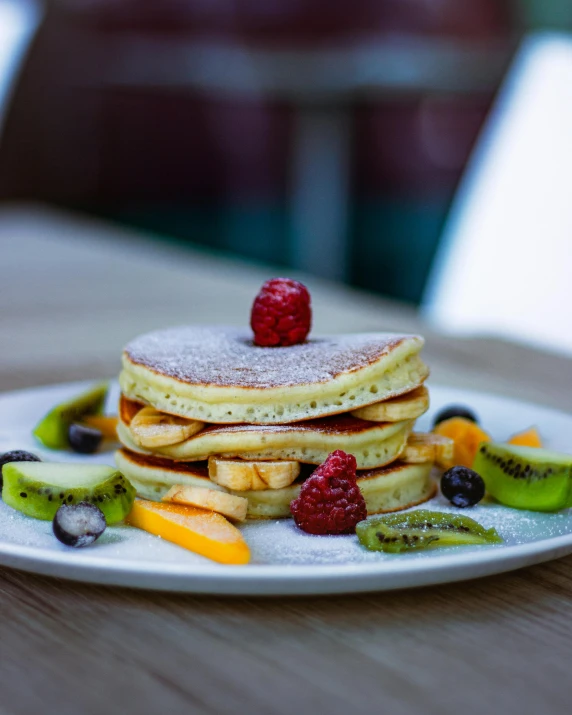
(204, 532)
(467, 437)
(106, 424)
(527, 438)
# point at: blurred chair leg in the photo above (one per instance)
(320, 191)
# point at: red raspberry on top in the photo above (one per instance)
(281, 313)
(330, 501)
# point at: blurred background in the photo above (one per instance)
(327, 137)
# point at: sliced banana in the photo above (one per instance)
(226, 504)
(151, 428)
(242, 476)
(405, 407)
(428, 447)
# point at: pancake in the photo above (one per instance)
(163, 472)
(374, 444)
(398, 486)
(393, 488)
(218, 375)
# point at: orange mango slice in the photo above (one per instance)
(204, 532)
(527, 438)
(106, 425)
(467, 437)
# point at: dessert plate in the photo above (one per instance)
(284, 560)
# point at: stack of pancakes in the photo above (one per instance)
(204, 406)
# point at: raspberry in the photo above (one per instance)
(281, 313)
(330, 501)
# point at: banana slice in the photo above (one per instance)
(234, 507)
(151, 428)
(427, 447)
(242, 476)
(405, 407)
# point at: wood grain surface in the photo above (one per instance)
(72, 292)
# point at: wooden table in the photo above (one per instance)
(72, 293)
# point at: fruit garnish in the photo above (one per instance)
(330, 501)
(462, 487)
(16, 455)
(229, 505)
(52, 430)
(527, 438)
(84, 439)
(281, 313)
(404, 407)
(422, 447)
(78, 525)
(151, 428)
(38, 489)
(454, 411)
(422, 529)
(204, 532)
(106, 424)
(245, 475)
(128, 409)
(467, 436)
(526, 477)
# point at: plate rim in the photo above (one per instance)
(286, 580)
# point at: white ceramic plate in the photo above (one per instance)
(284, 560)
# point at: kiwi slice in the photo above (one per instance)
(52, 430)
(525, 477)
(38, 489)
(422, 529)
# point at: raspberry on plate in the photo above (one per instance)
(281, 313)
(330, 501)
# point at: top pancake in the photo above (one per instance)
(217, 374)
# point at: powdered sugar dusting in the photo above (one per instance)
(281, 542)
(227, 357)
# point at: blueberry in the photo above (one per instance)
(455, 411)
(78, 524)
(462, 487)
(84, 439)
(16, 455)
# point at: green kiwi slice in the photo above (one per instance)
(422, 529)
(52, 430)
(38, 489)
(525, 477)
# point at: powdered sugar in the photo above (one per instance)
(277, 542)
(227, 357)
(281, 542)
